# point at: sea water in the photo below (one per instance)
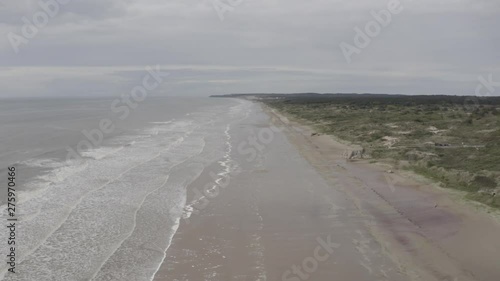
(96, 204)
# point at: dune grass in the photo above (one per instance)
(448, 141)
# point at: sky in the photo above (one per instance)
(102, 47)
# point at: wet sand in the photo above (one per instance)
(299, 211)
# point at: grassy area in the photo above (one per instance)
(443, 138)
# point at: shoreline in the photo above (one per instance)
(458, 195)
(387, 226)
(465, 216)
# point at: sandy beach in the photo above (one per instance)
(295, 209)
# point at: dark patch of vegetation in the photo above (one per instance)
(484, 182)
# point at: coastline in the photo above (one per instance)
(388, 226)
(306, 129)
(438, 206)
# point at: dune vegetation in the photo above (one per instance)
(451, 139)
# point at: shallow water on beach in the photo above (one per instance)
(110, 213)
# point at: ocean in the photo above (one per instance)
(101, 183)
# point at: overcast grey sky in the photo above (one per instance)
(101, 47)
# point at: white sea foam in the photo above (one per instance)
(56, 213)
(101, 152)
(42, 163)
(162, 122)
(166, 204)
(229, 168)
(113, 215)
(58, 172)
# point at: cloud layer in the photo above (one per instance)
(101, 47)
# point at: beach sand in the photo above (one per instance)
(297, 210)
